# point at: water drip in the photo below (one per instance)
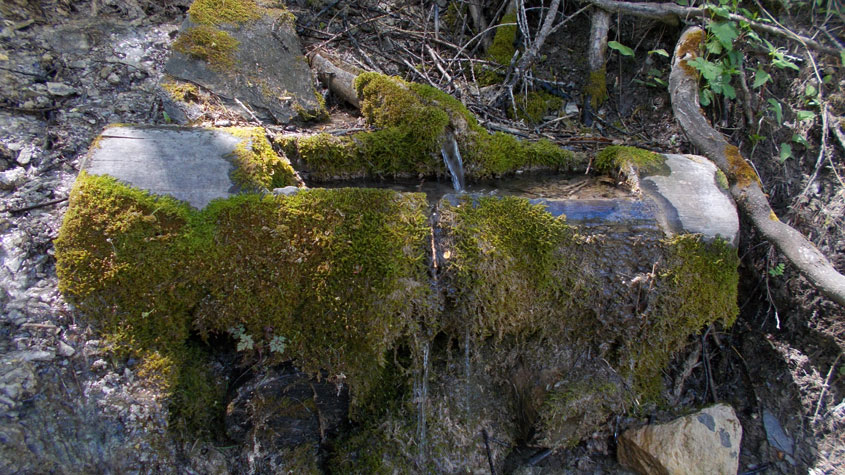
(422, 400)
(452, 158)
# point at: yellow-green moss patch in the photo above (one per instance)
(341, 274)
(596, 87)
(613, 157)
(259, 167)
(181, 91)
(215, 12)
(413, 121)
(209, 44)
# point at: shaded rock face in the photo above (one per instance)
(706, 442)
(262, 64)
(280, 417)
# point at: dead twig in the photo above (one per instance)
(38, 205)
(824, 387)
(822, 149)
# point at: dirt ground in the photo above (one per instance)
(779, 366)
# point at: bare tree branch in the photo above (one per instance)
(672, 13)
(744, 182)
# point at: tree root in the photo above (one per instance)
(744, 182)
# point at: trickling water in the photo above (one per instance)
(422, 400)
(452, 158)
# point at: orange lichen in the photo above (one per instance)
(739, 171)
(690, 45)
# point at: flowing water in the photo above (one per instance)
(452, 158)
(422, 401)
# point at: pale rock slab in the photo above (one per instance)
(189, 164)
(691, 199)
(706, 442)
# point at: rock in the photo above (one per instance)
(113, 79)
(25, 155)
(284, 411)
(63, 349)
(264, 67)
(11, 179)
(60, 89)
(287, 190)
(706, 442)
(777, 437)
(691, 198)
(193, 165)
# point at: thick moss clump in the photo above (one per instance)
(215, 47)
(259, 167)
(215, 12)
(611, 158)
(330, 279)
(413, 122)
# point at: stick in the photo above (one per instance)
(672, 14)
(824, 388)
(39, 205)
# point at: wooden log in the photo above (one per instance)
(339, 81)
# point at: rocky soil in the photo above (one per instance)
(68, 69)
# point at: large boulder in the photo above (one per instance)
(248, 51)
(706, 442)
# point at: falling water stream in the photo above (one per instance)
(452, 158)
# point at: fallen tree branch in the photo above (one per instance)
(744, 182)
(673, 14)
(338, 80)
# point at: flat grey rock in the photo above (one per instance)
(269, 73)
(189, 164)
(690, 199)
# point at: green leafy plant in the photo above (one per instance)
(777, 270)
(245, 341)
(623, 50)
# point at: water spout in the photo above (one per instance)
(452, 158)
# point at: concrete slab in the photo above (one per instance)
(189, 164)
(691, 200)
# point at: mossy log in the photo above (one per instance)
(744, 183)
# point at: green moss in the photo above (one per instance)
(181, 91)
(574, 409)
(259, 167)
(697, 286)
(533, 107)
(596, 87)
(215, 12)
(501, 51)
(341, 274)
(517, 275)
(611, 158)
(209, 44)
(722, 180)
(413, 121)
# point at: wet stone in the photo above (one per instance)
(691, 200)
(189, 164)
